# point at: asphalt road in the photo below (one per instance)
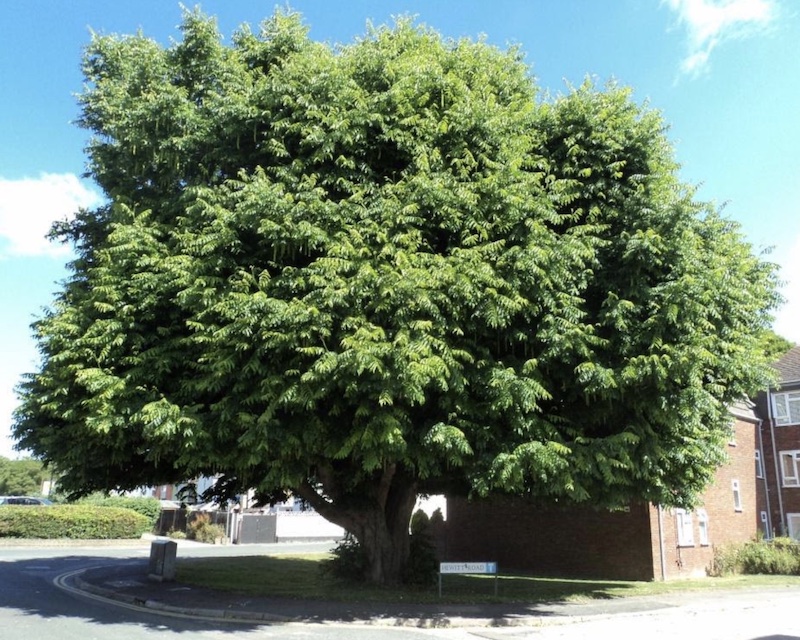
(33, 607)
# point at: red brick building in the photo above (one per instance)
(641, 542)
(779, 468)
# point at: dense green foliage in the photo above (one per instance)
(422, 568)
(348, 561)
(363, 272)
(774, 345)
(72, 521)
(150, 508)
(21, 477)
(780, 556)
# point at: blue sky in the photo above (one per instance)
(724, 73)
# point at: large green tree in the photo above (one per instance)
(21, 477)
(366, 272)
(775, 345)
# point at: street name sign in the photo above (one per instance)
(471, 568)
(468, 567)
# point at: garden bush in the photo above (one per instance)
(776, 557)
(780, 556)
(726, 561)
(422, 568)
(78, 522)
(202, 529)
(349, 562)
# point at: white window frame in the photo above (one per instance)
(786, 408)
(702, 527)
(759, 465)
(684, 526)
(793, 525)
(790, 475)
(737, 495)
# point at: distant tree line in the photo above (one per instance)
(21, 477)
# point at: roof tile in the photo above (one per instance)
(788, 365)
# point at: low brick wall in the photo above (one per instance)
(566, 542)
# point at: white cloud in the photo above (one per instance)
(710, 22)
(787, 320)
(28, 207)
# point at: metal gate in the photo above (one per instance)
(257, 529)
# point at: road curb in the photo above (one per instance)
(74, 582)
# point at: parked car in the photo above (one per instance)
(24, 500)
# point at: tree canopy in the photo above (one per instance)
(775, 345)
(21, 477)
(363, 272)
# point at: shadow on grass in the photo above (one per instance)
(304, 577)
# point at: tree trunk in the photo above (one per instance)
(384, 535)
(379, 518)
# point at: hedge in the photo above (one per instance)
(78, 522)
(149, 507)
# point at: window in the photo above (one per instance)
(702, 526)
(765, 522)
(737, 495)
(759, 465)
(685, 528)
(789, 468)
(793, 520)
(787, 408)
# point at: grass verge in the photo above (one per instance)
(301, 576)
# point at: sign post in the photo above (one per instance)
(468, 568)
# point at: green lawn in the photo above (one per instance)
(301, 576)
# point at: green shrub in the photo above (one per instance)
(776, 558)
(422, 569)
(780, 556)
(726, 561)
(148, 507)
(420, 523)
(349, 562)
(201, 529)
(784, 542)
(78, 522)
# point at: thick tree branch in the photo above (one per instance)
(385, 484)
(310, 495)
(327, 477)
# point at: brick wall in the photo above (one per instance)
(780, 500)
(725, 523)
(597, 543)
(572, 542)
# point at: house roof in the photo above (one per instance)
(744, 410)
(788, 366)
